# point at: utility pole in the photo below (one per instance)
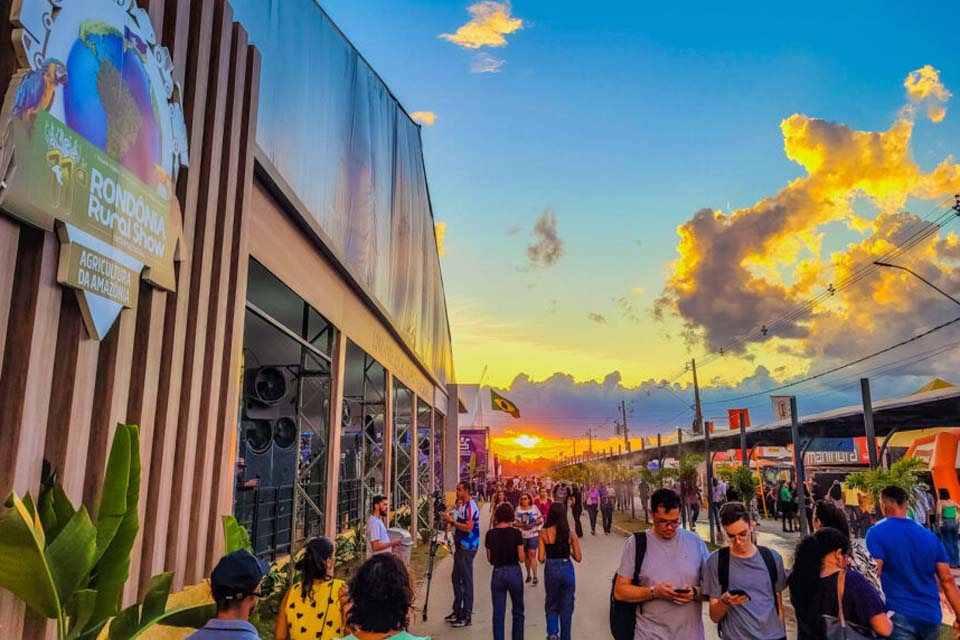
(683, 488)
(590, 435)
(626, 431)
(705, 430)
(574, 447)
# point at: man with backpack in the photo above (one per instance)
(744, 582)
(658, 581)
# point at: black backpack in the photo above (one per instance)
(623, 615)
(723, 574)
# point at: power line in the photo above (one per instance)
(838, 368)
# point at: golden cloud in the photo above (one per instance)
(489, 23)
(923, 86)
(440, 229)
(424, 117)
(739, 269)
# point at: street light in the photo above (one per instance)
(918, 276)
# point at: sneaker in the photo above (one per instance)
(462, 622)
(451, 618)
(535, 582)
(529, 577)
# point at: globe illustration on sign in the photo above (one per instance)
(108, 99)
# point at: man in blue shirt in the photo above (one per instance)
(911, 561)
(235, 584)
(467, 540)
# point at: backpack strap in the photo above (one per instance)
(771, 563)
(723, 568)
(640, 550)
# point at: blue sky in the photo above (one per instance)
(624, 122)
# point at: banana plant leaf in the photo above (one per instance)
(40, 575)
(236, 537)
(23, 567)
(112, 501)
(113, 568)
(80, 611)
(137, 619)
(70, 556)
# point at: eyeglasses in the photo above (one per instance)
(671, 524)
(743, 535)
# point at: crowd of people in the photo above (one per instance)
(886, 585)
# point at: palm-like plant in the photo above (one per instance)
(71, 567)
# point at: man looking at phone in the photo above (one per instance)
(744, 582)
(668, 588)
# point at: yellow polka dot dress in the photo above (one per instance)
(318, 616)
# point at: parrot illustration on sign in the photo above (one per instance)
(37, 89)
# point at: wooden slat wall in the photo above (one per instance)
(168, 366)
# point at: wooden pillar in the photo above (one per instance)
(337, 367)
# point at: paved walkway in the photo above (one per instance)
(601, 557)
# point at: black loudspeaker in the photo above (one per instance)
(269, 425)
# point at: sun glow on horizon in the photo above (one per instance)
(527, 442)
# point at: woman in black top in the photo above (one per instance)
(504, 546)
(557, 546)
(820, 577)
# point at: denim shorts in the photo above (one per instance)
(531, 544)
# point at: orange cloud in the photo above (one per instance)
(426, 118)
(739, 269)
(923, 86)
(489, 23)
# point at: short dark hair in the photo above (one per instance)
(382, 594)
(944, 493)
(830, 516)
(665, 499)
(730, 512)
(377, 499)
(464, 485)
(504, 512)
(894, 494)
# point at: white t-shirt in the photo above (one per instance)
(529, 516)
(376, 530)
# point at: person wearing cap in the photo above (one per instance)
(378, 540)
(311, 608)
(235, 584)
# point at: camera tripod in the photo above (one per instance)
(438, 539)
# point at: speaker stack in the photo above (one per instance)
(269, 425)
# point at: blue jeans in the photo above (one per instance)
(463, 582)
(560, 584)
(905, 628)
(507, 579)
(948, 533)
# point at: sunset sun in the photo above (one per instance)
(527, 442)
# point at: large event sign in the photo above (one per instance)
(473, 452)
(93, 139)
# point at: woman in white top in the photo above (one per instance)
(529, 521)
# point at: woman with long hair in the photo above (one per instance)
(529, 521)
(947, 517)
(827, 514)
(821, 582)
(557, 546)
(311, 608)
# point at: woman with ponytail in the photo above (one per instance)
(311, 608)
